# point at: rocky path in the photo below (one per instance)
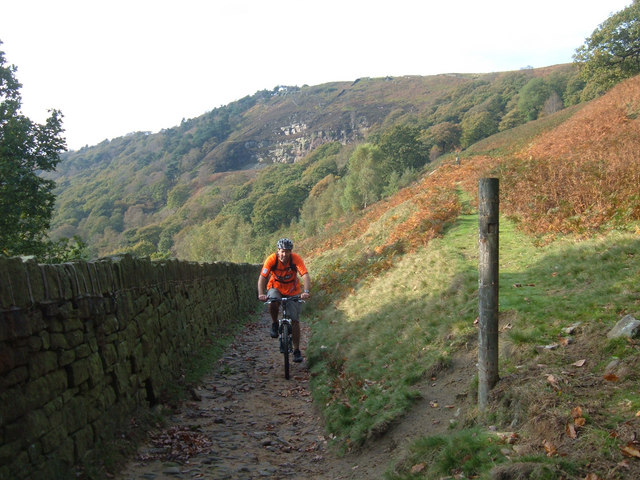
(248, 422)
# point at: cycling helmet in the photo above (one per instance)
(285, 244)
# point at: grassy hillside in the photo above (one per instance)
(395, 299)
(162, 194)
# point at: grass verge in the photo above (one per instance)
(557, 303)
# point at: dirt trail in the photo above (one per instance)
(251, 423)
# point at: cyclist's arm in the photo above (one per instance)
(262, 285)
(306, 282)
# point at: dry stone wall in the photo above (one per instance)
(84, 344)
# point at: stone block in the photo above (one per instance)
(121, 380)
(16, 376)
(58, 341)
(110, 325)
(44, 389)
(7, 358)
(78, 372)
(34, 450)
(105, 275)
(76, 280)
(9, 452)
(65, 357)
(109, 355)
(628, 327)
(58, 283)
(72, 322)
(14, 324)
(13, 285)
(74, 414)
(41, 363)
(83, 441)
(140, 304)
(36, 281)
(51, 284)
(34, 343)
(53, 409)
(82, 351)
(36, 425)
(83, 307)
(54, 438)
(74, 338)
(96, 371)
(13, 404)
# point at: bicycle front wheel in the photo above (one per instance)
(284, 342)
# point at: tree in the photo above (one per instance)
(553, 104)
(532, 97)
(612, 52)
(366, 178)
(476, 126)
(402, 148)
(26, 150)
(445, 135)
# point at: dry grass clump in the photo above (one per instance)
(582, 176)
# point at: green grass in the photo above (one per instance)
(369, 350)
(367, 353)
(472, 453)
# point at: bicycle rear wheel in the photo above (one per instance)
(284, 342)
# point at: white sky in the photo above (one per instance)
(119, 66)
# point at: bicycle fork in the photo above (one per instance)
(286, 338)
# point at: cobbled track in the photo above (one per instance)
(249, 422)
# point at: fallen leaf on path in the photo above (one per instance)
(624, 464)
(553, 382)
(571, 430)
(508, 437)
(630, 450)
(579, 363)
(550, 448)
(610, 377)
(592, 476)
(576, 412)
(418, 467)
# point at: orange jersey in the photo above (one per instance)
(284, 277)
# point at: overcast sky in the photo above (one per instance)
(115, 67)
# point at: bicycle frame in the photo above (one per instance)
(285, 330)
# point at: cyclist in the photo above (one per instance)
(279, 278)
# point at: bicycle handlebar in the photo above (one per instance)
(295, 298)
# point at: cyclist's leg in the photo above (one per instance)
(273, 310)
(293, 308)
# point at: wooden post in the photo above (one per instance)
(488, 212)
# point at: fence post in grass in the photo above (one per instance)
(488, 212)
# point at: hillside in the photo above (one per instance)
(159, 193)
(393, 343)
(396, 299)
(395, 284)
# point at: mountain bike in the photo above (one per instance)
(285, 338)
